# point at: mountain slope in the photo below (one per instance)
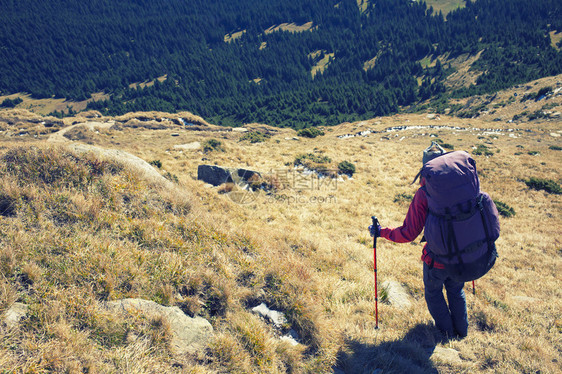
(269, 77)
(79, 229)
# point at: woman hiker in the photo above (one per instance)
(451, 319)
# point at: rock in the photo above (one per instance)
(15, 314)
(137, 163)
(289, 340)
(188, 147)
(278, 320)
(554, 134)
(217, 175)
(214, 175)
(239, 129)
(189, 335)
(275, 317)
(524, 299)
(446, 356)
(396, 294)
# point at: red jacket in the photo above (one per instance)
(413, 225)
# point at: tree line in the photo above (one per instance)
(71, 49)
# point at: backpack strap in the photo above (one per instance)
(453, 245)
(486, 231)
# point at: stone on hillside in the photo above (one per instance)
(217, 175)
(446, 356)
(189, 335)
(214, 175)
(292, 338)
(524, 299)
(278, 320)
(147, 170)
(15, 314)
(239, 129)
(396, 294)
(188, 147)
(275, 317)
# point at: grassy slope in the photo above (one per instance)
(445, 6)
(99, 232)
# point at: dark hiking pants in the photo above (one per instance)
(450, 319)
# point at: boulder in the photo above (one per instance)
(15, 314)
(144, 168)
(214, 175)
(189, 335)
(396, 294)
(217, 175)
(520, 299)
(447, 356)
(279, 321)
(188, 146)
(275, 317)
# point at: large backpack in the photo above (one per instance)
(463, 222)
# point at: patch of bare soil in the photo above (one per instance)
(291, 27)
(463, 76)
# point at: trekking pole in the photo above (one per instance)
(473, 289)
(376, 225)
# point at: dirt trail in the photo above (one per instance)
(143, 167)
(58, 137)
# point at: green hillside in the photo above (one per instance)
(277, 62)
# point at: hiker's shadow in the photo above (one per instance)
(411, 354)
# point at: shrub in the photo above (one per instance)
(543, 92)
(481, 149)
(319, 163)
(255, 137)
(8, 103)
(536, 115)
(547, 185)
(301, 159)
(212, 145)
(171, 177)
(156, 163)
(403, 197)
(7, 205)
(555, 148)
(310, 132)
(445, 145)
(346, 167)
(504, 209)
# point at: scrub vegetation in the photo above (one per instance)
(80, 229)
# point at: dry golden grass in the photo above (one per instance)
(233, 36)
(88, 229)
(445, 6)
(322, 64)
(555, 38)
(290, 27)
(46, 106)
(149, 83)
